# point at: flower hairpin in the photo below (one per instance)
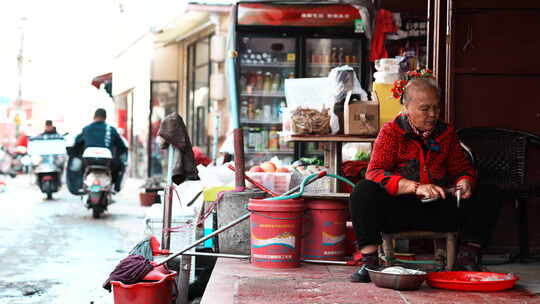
(400, 85)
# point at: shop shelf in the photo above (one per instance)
(269, 152)
(261, 122)
(330, 138)
(272, 94)
(268, 65)
(331, 65)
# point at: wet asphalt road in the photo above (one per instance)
(54, 251)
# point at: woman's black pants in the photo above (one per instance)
(374, 211)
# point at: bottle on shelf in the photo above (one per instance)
(251, 109)
(276, 82)
(282, 107)
(267, 112)
(340, 56)
(251, 83)
(315, 58)
(243, 82)
(244, 109)
(291, 75)
(267, 85)
(260, 81)
(251, 139)
(265, 137)
(325, 59)
(282, 145)
(258, 110)
(273, 139)
(275, 110)
(333, 56)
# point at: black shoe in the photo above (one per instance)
(361, 275)
(371, 261)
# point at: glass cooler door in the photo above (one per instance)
(322, 55)
(264, 65)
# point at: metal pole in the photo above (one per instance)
(219, 255)
(20, 66)
(211, 235)
(167, 206)
(233, 99)
(183, 280)
(325, 262)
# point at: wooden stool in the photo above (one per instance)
(450, 237)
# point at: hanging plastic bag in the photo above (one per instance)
(341, 80)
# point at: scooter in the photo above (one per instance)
(21, 161)
(48, 156)
(97, 179)
(6, 161)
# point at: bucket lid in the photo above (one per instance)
(287, 205)
(326, 204)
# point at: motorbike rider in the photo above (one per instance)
(50, 131)
(100, 134)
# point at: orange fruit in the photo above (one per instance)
(283, 169)
(268, 167)
(256, 169)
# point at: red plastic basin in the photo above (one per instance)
(157, 292)
(470, 280)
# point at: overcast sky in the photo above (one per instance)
(66, 44)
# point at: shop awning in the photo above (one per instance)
(106, 80)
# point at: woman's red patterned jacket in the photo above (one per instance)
(399, 153)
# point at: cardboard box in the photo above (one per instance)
(360, 117)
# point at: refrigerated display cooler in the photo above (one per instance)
(284, 40)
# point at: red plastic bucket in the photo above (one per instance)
(158, 292)
(276, 228)
(324, 230)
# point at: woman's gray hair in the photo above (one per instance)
(420, 84)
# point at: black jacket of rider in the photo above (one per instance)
(100, 134)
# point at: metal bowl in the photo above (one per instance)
(396, 281)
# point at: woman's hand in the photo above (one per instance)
(429, 191)
(466, 188)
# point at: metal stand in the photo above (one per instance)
(167, 205)
(183, 280)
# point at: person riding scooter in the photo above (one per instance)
(102, 135)
(50, 130)
(96, 165)
(47, 151)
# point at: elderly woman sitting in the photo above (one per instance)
(417, 156)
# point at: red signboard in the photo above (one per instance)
(309, 15)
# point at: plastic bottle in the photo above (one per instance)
(251, 109)
(282, 106)
(267, 113)
(267, 86)
(273, 140)
(244, 109)
(276, 82)
(243, 82)
(260, 81)
(265, 138)
(258, 110)
(333, 56)
(251, 83)
(251, 138)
